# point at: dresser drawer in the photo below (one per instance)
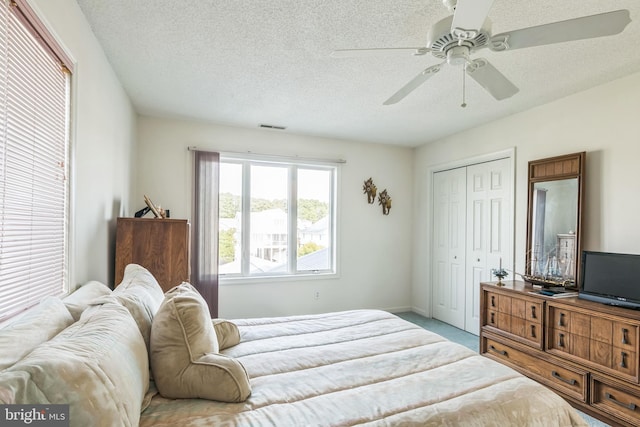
(519, 317)
(563, 378)
(531, 331)
(625, 336)
(559, 318)
(616, 399)
(625, 362)
(492, 301)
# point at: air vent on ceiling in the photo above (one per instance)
(272, 127)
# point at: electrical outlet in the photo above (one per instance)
(316, 295)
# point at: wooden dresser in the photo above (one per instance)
(159, 245)
(587, 352)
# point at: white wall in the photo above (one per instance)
(602, 121)
(374, 250)
(103, 137)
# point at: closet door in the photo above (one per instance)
(489, 231)
(449, 246)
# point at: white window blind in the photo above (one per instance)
(34, 107)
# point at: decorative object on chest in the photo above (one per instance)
(585, 351)
(500, 273)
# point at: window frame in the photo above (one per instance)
(292, 165)
(41, 35)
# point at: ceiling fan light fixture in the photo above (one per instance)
(458, 55)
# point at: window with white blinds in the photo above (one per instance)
(34, 145)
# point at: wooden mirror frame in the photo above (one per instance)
(553, 169)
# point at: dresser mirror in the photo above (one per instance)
(554, 219)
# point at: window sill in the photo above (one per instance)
(237, 280)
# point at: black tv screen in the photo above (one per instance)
(611, 278)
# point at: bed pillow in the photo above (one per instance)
(141, 294)
(37, 325)
(82, 297)
(98, 366)
(184, 352)
(227, 333)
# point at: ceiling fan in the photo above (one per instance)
(454, 39)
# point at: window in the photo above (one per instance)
(34, 117)
(276, 217)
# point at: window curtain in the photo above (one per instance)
(204, 255)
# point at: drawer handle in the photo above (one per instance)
(493, 318)
(625, 336)
(561, 320)
(631, 406)
(533, 312)
(554, 374)
(561, 340)
(501, 352)
(623, 361)
(493, 301)
(533, 331)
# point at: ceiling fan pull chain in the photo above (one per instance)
(464, 72)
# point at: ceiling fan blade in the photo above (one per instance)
(414, 83)
(491, 79)
(397, 51)
(469, 17)
(603, 24)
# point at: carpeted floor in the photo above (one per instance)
(468, 340)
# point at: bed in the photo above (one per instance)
(365, 368)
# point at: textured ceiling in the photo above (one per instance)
(251, 62)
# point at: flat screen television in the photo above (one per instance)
(610, 278)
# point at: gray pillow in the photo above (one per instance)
(82, 297)
(141, 294)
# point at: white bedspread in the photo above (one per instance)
(369, 368)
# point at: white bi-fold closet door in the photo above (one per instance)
(472, 234)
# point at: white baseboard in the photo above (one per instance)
(398, 309)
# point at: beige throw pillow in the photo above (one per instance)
(184, 352)
(227, 333)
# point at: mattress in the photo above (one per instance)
(365, 368)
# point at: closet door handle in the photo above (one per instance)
(571, 381)
(610, 397)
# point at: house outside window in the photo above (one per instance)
(277, 218)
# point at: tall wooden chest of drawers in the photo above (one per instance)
(159, 245)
